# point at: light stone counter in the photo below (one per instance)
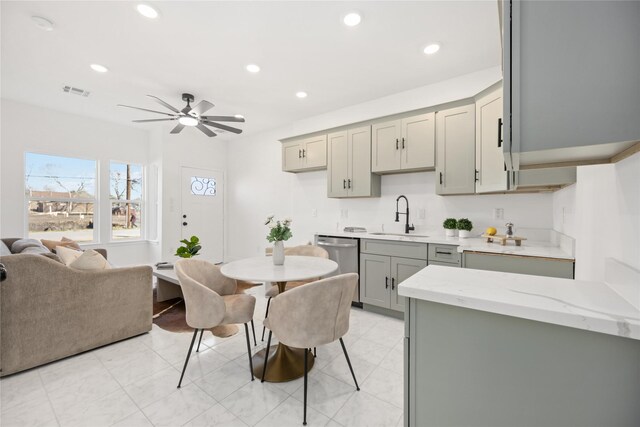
(593, 306)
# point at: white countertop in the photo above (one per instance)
(592, 306)
(528, 248)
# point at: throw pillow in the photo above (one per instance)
(90, 260)
(20, 245)
(68, 243)
(67, 255)
(4, 249)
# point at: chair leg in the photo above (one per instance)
(344, 349)
(193, 340)
(315, 354)
(253, 329)
(266, 357)
(265, 316)
(246, 332)
(304, 419)
(200, 340)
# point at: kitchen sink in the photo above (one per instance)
(399, 234)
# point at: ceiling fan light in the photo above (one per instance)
(188, 121)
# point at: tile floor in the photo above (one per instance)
(133, 383)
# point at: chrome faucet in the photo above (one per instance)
(407, 227)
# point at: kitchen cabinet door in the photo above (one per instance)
(361, 182)
(455, 147)
(314, 152)
(490, 164)
(401, 270)
(418, 142)
(337, 168)
(385, 146)
(291, 156)
(375, 280)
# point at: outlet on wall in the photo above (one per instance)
(422, 213)
(314, 213)
(344, 213)
(498, 213)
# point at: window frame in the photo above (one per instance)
(95, 200)
(142, 203)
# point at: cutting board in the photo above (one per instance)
(503, 239)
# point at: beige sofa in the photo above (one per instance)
(49, 311)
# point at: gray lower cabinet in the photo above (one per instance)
(445, 255)
(381, 272)
(537, 266)
(467, 367)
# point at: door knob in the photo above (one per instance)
(184, 223)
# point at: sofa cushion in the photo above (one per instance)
(90, 260)
(20, 245)
(4, 249)
(67, 255)
(68, 243)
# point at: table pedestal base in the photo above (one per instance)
(284, 364)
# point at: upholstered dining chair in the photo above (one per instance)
(312, 315)
(302, 250)
(210, 301)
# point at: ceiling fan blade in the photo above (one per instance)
(202, 107)
(224, 127)
(206, 130)
(223, 118)
(178, 128)
(161, 102)
(145, 109)
(152, 120)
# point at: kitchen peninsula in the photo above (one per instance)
(500, 349)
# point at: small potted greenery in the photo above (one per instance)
(279, 231)
(464, 228)
(450, 225)
(190, 247)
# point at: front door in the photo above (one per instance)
(203, 211)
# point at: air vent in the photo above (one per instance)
(75, 91)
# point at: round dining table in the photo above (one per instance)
(285, 363)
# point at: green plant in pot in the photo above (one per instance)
(189, 247)
(450, 225)
(464, 228)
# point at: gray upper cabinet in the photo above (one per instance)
(490, 164)
(349, 167)
(305, 154)
(571, 79)
(404, 145)
(455, 150)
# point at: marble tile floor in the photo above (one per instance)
(133, 383)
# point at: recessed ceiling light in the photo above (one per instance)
(431, 49)
(188, 121)
(301, 94)
(253, 68)
(43, 23)
(147, 11)
(352, 19)
(99, 68)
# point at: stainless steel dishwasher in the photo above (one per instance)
(344, 251)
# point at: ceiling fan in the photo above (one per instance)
(191, 116)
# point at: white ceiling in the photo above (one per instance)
(203, 48)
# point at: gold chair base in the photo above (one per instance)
(284, 364)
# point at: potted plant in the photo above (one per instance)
(279, 231)
(190, 247)
(450, 225)
(464, 228)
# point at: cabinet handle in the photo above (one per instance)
(386, 282)
(304, 154)
(393, 283)
(403, 143)
(396, 143)
(348, 183)
(443, 253)
(299, 154)
(440, 178)
(344, 184)
(499, 133)
(477, 172)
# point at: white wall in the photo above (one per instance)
(602, 212)
(35, 129)
(258, 187)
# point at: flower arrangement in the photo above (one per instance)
(279, 229)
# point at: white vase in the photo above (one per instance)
(278, 252)
(463, 234)
(450, 232)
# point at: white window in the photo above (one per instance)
(61, 195)
(125, 193)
